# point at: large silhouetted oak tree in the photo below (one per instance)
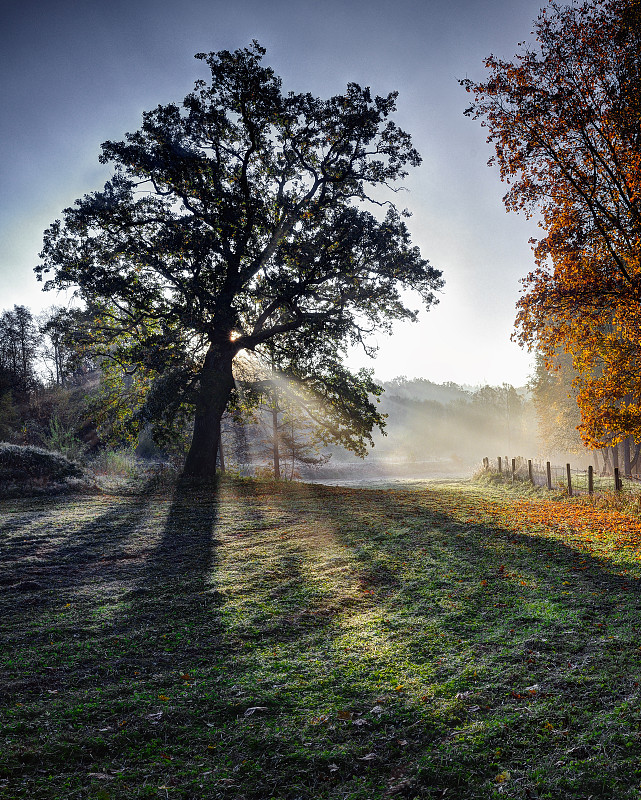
(237, 218)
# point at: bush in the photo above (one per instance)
(118, 463)
(20, 466)
(521, 483)
(63, 439)
(9, 416)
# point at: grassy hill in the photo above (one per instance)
(298, 641)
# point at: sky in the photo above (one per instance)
(75, 73)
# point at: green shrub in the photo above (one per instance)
(121, 463)
(63, 439)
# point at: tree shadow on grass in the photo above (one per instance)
(41, 568)
(483, 614)
(168, 621)
(272, 671)
(510, 570)
(124, 621)
(185, 554)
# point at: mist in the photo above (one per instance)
(432, 431)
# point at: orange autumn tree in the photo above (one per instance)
(565, 120)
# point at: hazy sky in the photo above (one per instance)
(77, 72)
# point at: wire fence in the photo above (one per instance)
(566, 478)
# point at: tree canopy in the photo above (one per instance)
(237, 218)
(565, 119)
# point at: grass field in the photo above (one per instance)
(297, 641)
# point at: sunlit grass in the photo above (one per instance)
(297, 641)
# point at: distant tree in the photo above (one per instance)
(554, 398)
(231, 222)
(564, 118)
(19, 343)
(501, 409)
(428, 421)
(67, 347)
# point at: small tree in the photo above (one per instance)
(231, 222)
(300, 445)
(293, 432)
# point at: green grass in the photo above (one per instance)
(295, 641)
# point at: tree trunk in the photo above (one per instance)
(275, 440)
(221, 454)
(291, 477)
(216, 384)
(626, 457)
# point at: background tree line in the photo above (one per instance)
(46, 378)
(54, 393)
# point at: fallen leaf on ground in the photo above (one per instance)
(254, 709)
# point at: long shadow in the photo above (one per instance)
(467, 552)
(593, 594)
(101, 582)
(186, 550)
(170, 623)
(173, 597)
(49, 592)
(40, 567)
(554, 630)
(281, 580)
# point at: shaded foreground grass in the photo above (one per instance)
(296, 641)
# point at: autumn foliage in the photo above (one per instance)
(565, 120)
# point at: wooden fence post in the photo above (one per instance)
(513, 469)
(529, 470)
(617, 480)
(499, 460)
(549, 474)
(569, 474)
(590, 479)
